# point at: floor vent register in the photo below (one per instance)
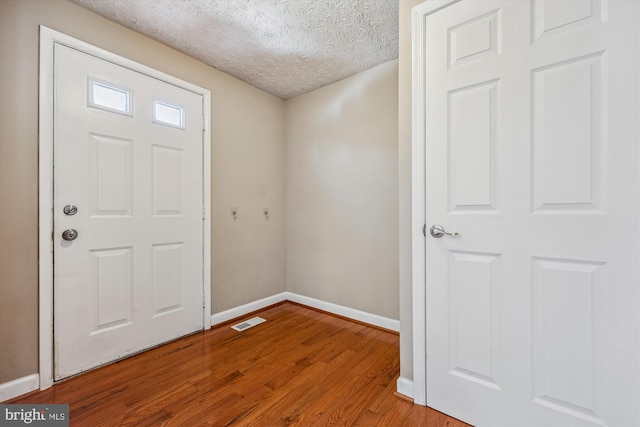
(248, 324)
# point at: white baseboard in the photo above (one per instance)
(239, 311)
(19, 386)
(351, 313)
(404, 386)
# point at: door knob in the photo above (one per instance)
(438, 231)
(70, 234)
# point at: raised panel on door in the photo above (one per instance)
(167, 278)
(111, 171)
(567, 127)
(111, 281)
(475, 39)
(568, 325)
(553, 17)
(167, 180)
(472, 148)
(474, 322)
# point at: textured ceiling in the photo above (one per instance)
(285, 47)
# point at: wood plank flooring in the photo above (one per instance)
(300, 368)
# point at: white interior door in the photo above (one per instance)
(531, 126)
(129, 170)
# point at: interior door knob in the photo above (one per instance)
(70, 234)
(438, 231)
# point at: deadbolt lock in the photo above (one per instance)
(70, 210)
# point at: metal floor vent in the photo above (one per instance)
(248, 324)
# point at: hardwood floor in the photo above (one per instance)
(301, 368)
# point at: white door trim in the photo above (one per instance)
(48, 38)
(418, 196)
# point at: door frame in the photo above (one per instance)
(48, 39)
(419, 196)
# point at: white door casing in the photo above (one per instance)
(525, 143)
(138, 273)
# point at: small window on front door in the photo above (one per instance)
(106, 96)
(168, 114)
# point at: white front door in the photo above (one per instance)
(531, 127)
(128, 178)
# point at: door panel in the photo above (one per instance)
(167, 260)
(472, 148)
(473, 307)
(111, 175)
(132, 165)
(567, 121)
(111, 288)
(532, 157)
(567, 326)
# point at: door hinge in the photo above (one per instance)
(204, 124)
(204, 213)
(424, 230)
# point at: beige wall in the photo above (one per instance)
(404, 194)
(341, 192)
(336, 146)
(247, 169)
